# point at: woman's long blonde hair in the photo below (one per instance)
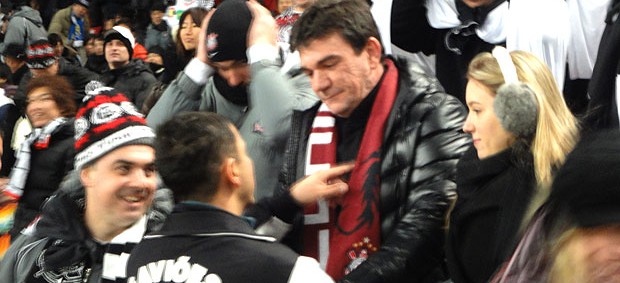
(557, 130)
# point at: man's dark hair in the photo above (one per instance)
(350, 18)
(54, 39)
(190, 149)
(99, 37)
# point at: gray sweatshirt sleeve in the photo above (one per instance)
(182, 94)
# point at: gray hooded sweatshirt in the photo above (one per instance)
(25, 26)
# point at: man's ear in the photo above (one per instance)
(231, 171)
(375, 52)
(86, 176)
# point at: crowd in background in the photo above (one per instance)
(388, 141)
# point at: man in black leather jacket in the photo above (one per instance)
(416, 129)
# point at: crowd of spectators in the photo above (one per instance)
(375, 141)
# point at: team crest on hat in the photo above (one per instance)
(211, 44)
(81, 126)
(105, 113)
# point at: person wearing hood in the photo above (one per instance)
(24, 27)
(87, 230)
(130, 77)
(236, 73)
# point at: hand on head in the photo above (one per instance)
(263, 29)
(325, 184)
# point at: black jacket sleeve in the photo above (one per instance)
(412, 249)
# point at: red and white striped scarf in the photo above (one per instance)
(342, 240)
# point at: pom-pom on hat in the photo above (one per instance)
(227, 31)
(106, 121)
(40, 55)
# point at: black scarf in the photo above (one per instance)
(236, 94)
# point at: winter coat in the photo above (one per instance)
(61, 24)
(48, 167)
(96, 63)
(134, 80)
(422, 144)
(158, 36)
(493, 195)
(212, 239)
(62, 225)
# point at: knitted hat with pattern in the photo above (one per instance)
(106, 121)
(40, 55)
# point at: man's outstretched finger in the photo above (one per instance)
(337, 171)
(335, 190)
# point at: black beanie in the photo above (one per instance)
(587, 187)
(123, 34)
(227, 31)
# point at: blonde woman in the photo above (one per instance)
(522, 131)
